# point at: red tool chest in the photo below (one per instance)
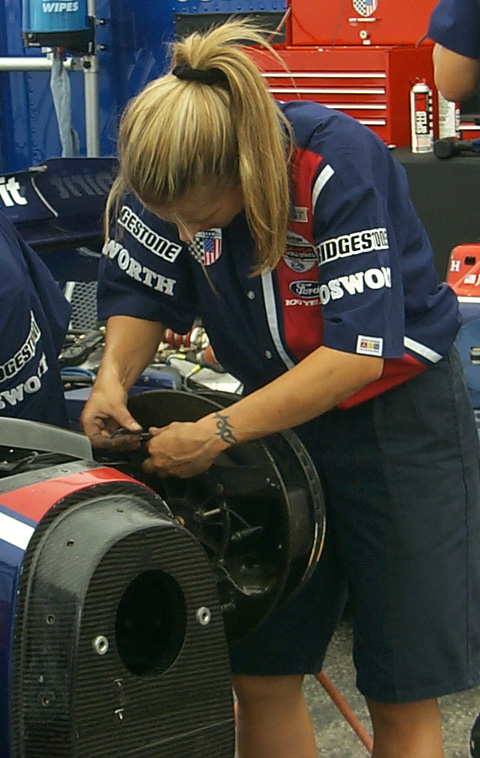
(358, 56)
(371, 84)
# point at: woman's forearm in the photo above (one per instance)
(130, 345)
(318, 383)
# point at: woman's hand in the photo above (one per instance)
(183, 449)
(105, 412)
(130, 344)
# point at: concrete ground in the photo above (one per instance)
(335, 737)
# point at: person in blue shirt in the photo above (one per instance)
(455, 28)
(288, 229)
(34, 317)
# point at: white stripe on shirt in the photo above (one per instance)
(423, 350)
(325, 174)
(272, 318)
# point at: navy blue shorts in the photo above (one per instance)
(401, 480)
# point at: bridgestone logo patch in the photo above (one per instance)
(365, 241)
(23, 355)
(151, 240)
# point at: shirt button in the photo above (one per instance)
(268, 354)
(251, 295)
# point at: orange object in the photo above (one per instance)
(342, 705)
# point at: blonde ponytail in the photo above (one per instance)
(179, 134)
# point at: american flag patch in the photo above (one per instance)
(365, 7)
(206, 247)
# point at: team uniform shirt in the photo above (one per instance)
(34, 316)
(357, 276)
(455, 24)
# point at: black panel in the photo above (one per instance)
(470, 109)
(445, 194)
(187, 23)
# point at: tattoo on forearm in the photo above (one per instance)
(224, 429)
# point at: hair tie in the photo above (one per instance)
(206, 76)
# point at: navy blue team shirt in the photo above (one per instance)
(455, 24)
(34, 316)
(358, 273)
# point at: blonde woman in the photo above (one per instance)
(288, 229)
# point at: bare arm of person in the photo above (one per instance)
(456, 76)
(130, 344)
(318, 383)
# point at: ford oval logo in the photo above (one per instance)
(305, 289)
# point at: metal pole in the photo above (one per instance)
(92, 116)
(30, 63)
(92, 111)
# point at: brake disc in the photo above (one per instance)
(258, 512)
